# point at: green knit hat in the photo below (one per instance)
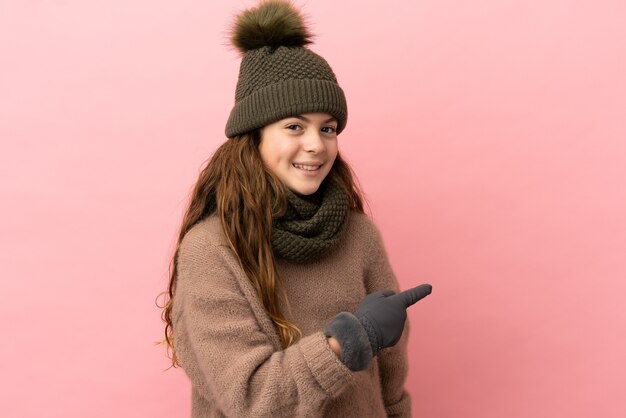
(279, 77)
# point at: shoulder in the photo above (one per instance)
(206, 233)
(361, 227)
(361, 239)
(204, 257)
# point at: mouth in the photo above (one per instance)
(307, 167)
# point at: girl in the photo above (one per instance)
(281, 298)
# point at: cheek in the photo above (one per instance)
(276, 155)
(265, 154)
(285, 153)
(332, 150)
(268, 156)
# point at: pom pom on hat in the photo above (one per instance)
(272, 23)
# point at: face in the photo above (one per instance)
(300, 150)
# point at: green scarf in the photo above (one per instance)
(312, 224)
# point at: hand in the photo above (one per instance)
(377, 323)
(383, 314)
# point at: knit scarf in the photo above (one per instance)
(312, 224)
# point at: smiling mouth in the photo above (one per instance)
(307, 167)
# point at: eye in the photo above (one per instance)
(330, 129)
(293, 127)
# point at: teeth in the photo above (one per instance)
(307, 167)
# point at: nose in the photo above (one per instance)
(313, 142)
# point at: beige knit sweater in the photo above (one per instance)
(230, 349)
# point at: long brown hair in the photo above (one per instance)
(246, 196)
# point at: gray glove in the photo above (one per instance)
(377, 323)
(383, 314)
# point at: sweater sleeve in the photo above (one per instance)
(392, 361)
(231, 358)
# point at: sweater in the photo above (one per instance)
(231, 351)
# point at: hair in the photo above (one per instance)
(236, 186)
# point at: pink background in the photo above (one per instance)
(490, 138)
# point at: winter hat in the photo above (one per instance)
(279, 77)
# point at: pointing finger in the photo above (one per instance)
(411, 296)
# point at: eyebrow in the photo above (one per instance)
(304, 118)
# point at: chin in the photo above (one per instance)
(305, 191)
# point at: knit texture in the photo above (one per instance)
(283, 82)
(371, 334)
(312, 225)
(230, 349)
(278, 75)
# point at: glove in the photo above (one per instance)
(383, 315)
(377, 323)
